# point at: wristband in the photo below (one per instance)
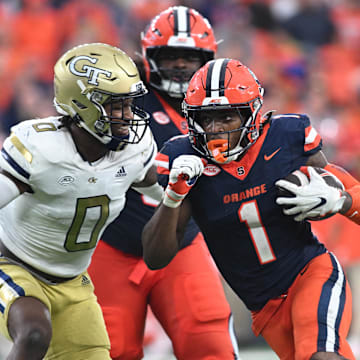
(172, 199)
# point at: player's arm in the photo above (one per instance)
(10, 188)
(319, 160)
(351, 206)
(164, 231)
(149, 185)
(334, 200)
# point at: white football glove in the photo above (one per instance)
(312, 200)
(183, 174)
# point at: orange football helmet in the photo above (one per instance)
(224, 84)
(178, 27)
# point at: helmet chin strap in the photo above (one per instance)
(117, 144)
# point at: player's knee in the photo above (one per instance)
(34, 339)
(205, 308)
(127, 355)
(204, 319)
(327, 356)
(126, 341)
(125, 351)
(38, 338)
(29, 325)
(206, 346)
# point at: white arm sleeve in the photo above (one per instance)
(8, 190)
(154, 191)
(149, 154)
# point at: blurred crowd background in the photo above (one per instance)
(306, 54)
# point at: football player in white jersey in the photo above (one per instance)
(63, 180)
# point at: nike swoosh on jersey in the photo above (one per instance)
(269, 157)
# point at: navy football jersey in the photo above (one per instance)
(257, 248)
(124, 232)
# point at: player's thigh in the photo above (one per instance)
(274, 323)
(321, 309)
(33, 309)
(120, 282)
(78, 326)
(190, 304)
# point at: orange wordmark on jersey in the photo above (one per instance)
(243, 195)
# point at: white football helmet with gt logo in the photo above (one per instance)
(89, 76)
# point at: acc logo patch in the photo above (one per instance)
(66, 180)
(161, 118)
(211, 170)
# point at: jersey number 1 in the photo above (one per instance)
(249, 213)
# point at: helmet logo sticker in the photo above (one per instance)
(90, 72)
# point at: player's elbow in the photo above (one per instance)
(159, 246)
(156, 262)
(157, 255)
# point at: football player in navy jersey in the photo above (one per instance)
(187, 297)
(224, 174)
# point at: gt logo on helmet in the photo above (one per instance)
(90, 72)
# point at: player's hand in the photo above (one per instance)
(183, 175)
(315, 199)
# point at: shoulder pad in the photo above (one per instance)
(23, 147)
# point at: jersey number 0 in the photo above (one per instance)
(72, 242)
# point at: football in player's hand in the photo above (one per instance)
(299, 178)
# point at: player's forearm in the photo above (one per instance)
(347, 203)
(351, 206)
(159, 237)
(155, 191)
(9, 190)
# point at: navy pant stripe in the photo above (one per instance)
(330, 309)
(19, 290)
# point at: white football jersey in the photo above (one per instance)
(56, 228)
